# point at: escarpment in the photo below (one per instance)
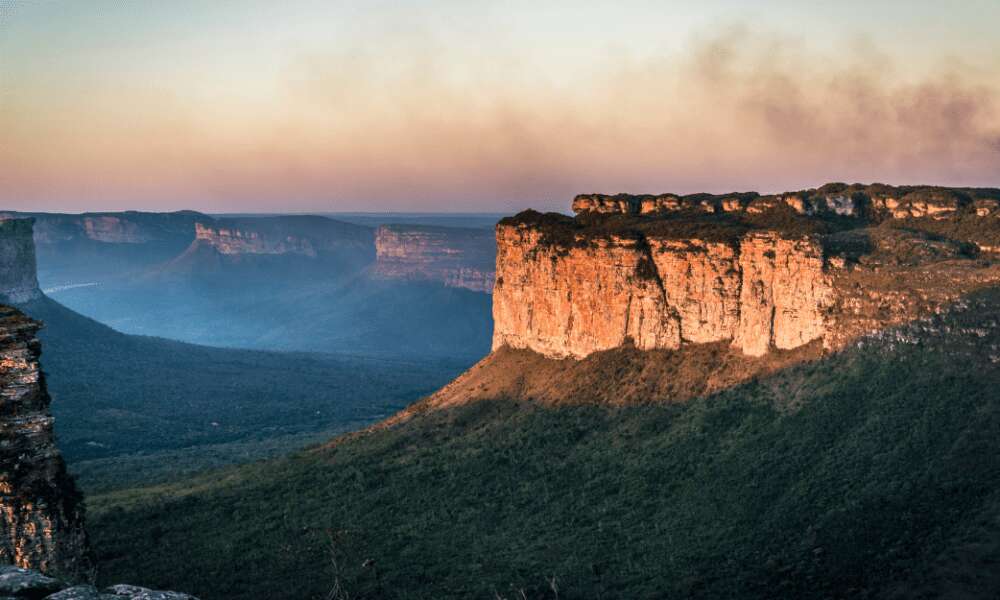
(18, 278)
(657, 293)
(41, 515)
(759, 273)
(306, 235)
(456, 257)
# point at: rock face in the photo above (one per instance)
(653, 292)
(18, 279)
(760, 273)
(456, 257)
(784, 293)
(41, 518)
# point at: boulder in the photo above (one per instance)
(25, 583)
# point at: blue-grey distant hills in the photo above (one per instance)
(288, 282)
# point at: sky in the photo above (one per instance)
(466, 106)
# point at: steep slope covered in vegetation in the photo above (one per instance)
(867, 473)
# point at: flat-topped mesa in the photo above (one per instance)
(227, 240)
(41, 517)
(18, 277)
(129, 227)
(456, 257)
(759, 273)
(303, 235)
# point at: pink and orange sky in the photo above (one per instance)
(309, 106)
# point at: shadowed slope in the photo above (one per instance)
(121, 398)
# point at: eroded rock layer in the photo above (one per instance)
(456, 257)
(760, 273)
(41, 517)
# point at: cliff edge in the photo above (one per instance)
(41, 515)
(760, 273)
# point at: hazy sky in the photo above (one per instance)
(433, 105)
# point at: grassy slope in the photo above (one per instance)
(867, 487)
(132, 408)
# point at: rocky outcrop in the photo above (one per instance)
(759, 273)
(18, 279)
(41, 517)
(875, 201)
(628, 204)
(456, 257)
(17, 582)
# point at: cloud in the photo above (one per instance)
(740, 107)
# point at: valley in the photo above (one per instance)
(702, 396)
(500, 300)
(136, 409)
(273, 282)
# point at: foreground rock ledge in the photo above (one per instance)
(16, 582)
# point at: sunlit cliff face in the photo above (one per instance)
(411, 114)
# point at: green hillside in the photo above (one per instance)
(872, 473)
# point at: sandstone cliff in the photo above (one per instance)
(18, 280)
(41, 517)
(456, 257)
(760, 273)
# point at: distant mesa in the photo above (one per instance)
(304, 235)
(18, 275)
(130, 227)
(96, 248)
(456, 257)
